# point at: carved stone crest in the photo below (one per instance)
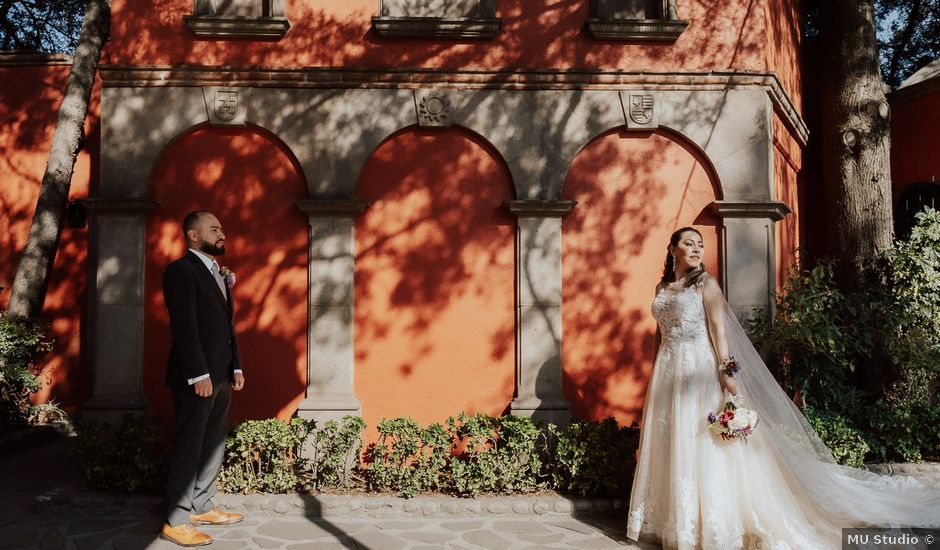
(434, 110)
(641, 108)
(226, 106)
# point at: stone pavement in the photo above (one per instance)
(43, 507)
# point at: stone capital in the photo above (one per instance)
(540, 208)
(332, 208)
(773, 210)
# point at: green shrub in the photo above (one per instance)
(21, 342)
(819, 335)
(846, 442)
(409, 458)
(501, 454)
(594, 458)
(127, 457)
(262, 455)
(335, 458)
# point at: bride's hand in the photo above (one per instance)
(729, 384)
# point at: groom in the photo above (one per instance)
(202, 371)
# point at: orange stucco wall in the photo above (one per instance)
(535, 34)
(250, 182)
(29, 103)
(914, 142)
(633, 190)
(783, 45)
(435, 279)
(788, 176)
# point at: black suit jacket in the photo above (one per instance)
(201, 324)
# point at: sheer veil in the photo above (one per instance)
(850, 497)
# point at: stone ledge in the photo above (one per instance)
(436, 27)
(639, 30)
(263, 28)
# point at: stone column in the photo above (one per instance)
(116, 305)
(538, 311)
(330, 274)
(749, 253)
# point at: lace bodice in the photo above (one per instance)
(680, 313)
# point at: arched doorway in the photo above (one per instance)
(633, 190)
(250, 181)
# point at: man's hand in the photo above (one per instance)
(238, 381)
(203, 387)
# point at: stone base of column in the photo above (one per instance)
(323, 409)
(555, 411)
(332, 407)
(111, 408)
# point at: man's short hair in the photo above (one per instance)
(191, 219)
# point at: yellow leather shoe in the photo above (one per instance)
(185, 535)
(215, 517)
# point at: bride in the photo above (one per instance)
(781, 489)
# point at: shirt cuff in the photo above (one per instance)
(237, 371)
(192, 381)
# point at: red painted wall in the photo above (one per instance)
(914, 142)
(29, 104)
(435, 321)
(535, 34)
(249, 181)
(633, 190)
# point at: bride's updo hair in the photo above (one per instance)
(669, 274)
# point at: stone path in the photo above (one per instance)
(52, 531)
(43, 507)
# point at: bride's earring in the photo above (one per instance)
(673, 264)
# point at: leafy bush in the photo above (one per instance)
(127, 457)
(846, 442)
(335, 458)
(409, 458)
(501, 454)
(819, 335)
(262, 455)
(594, 458)
(20, 343)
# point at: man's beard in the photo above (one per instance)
(212, 249)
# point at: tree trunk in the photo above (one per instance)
(32, 275)
(856, 140)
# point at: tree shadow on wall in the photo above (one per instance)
(721, 35)
(434, 278)
(250, 183)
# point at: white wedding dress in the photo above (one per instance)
(780, 490)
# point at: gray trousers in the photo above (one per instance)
(201, 427)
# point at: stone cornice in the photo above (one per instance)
(335, 77)
(774, 210)
(14, 57)
(540, 208)
(331, 208)
(118, 205)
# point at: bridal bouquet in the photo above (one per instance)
(732, 422)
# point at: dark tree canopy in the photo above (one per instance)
(908, 36)
(48, 26)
